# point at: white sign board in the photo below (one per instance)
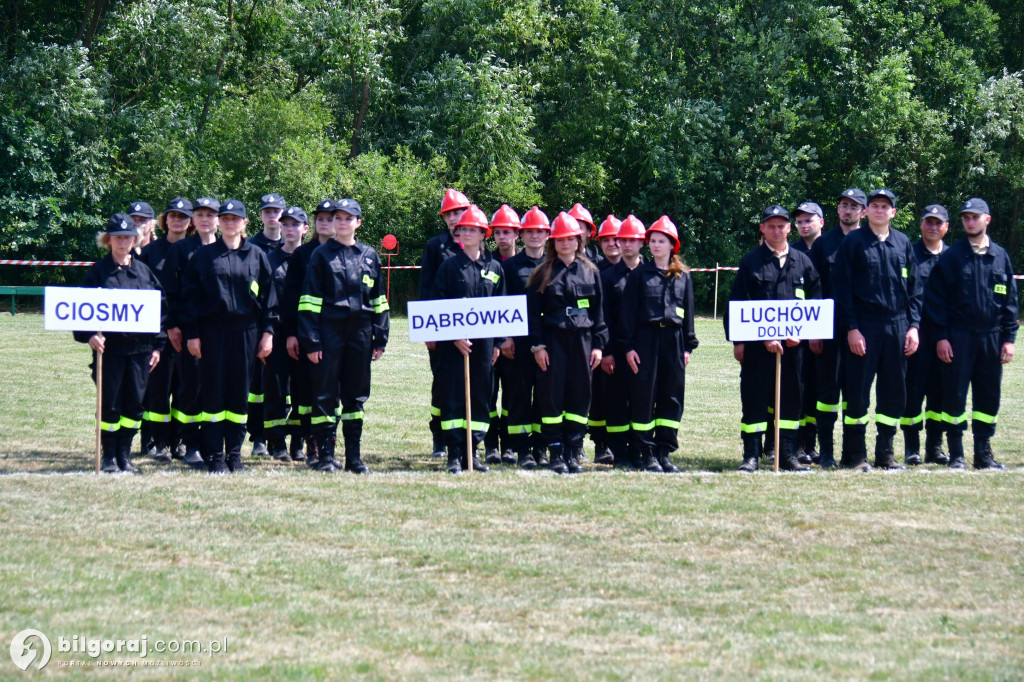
(449, 319)
(105, 310)
(777, 320)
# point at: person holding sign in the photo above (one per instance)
(343, 326)
(470, 273)
(772, 271)
(658, 335)
(127, 358)
(878, 302)
(567, 335)
(227, 319)
(972, 297)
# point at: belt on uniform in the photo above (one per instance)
(663, 324)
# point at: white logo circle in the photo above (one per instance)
(138, 207)
(967, 205)
(124, 225)
(230, 206)
(180, 204)
(23, 655)
(775, 211)
(345, 203)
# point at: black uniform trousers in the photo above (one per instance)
(451, 372)
(809, 378)
(657, 391)
(924, 386)
(437, 393)
(124, 385)
(343, 373)
(302, 396)
(827, 392)
(520, 380)
(186, 408)
(497, 431)
(563, 391)
(883, 358)
(757, 389)
(597, 422)
(277, 373)
(254, 422)
(617, 412)
(228, 356)
(157, 401)
(976, 364)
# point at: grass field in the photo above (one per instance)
(410, 573)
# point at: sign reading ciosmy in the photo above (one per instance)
(106, 310)
(450, 319)
(776, 320)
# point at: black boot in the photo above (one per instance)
(809, 434)
(215, 463)
(912, 446)
(295, 451)
(855, 450)
(573, 454)
(663, 459)
(788, 459)
(526, 460)
(437, 449)
(827, 445)
(493, 456)
(768, 451)
(352, 431)
(124, 453)
(751, 452)
(933, 453)
(312, 453)
(455, 459)
(885, 458)
(540, 455)
(233, 461)
(108, 454)
(278, 449)
(508, 456)
(603, 453)
(557, 461)
(259, 447)
(478, 466)
(649, 460)
(325, 453)
(955, 438)
(983, 457)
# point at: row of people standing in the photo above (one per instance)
(923, 322)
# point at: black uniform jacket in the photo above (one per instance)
(823, 257)
(438, 250)
(222, 287)
(651, 298)
(287, 300)
(517, 272)
(341, 282)
(178, 257)
(462, 277)
(106, 274)
(876, 280)
(926, 260)
(613, 283)
(973, 293)
(155, 257)
(761, 279)
(572, 300)
(259, 239)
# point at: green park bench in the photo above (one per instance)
(20, 291)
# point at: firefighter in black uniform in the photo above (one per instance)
(522, 420)
(471, 273)
(878, 302)
(343, 327)
(809, 219)
(505, 228)
(972, 298)
(597, 424)
(280, 367)
(439, 249)
(586, 221)
(772, 271)
(657, 321)
(156, 420)
(625, 452)
(127, 358)
(924, 379)
(567, 336)
(227, 319)
(829, 363)
(302, 395)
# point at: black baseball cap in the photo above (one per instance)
(975, 205)
(208, 202)
(142, 209)
(121, 224)
(936, 211)
(325, 206)
(272, 201)
(296, 213)
(883, 193)
(350, 206)
(809, 207)
(181, 205)
(233, 207)
(774, 211)
(854, 194)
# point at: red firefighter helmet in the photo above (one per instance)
(667, 228)
(453, 199)
(583, 215)
(505, 217)
(535, 219)
(631, 228)
(609, 228)
(474, 217)
(565, 226)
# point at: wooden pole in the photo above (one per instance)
(716, 291)
(778, 395)
(469, 417)
(99, 402)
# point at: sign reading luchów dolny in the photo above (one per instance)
(777, 320)
(449, 319)
(101, 310)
